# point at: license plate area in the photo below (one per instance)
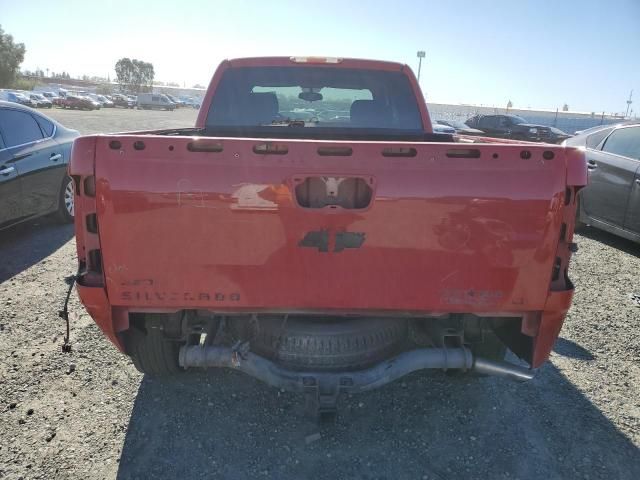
(333, 192)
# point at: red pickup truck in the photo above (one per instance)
(313, 232)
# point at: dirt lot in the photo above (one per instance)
(109, 120)
(90, 414)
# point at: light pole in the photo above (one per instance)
(421, 55)
(629, 102)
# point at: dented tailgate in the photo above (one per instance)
(323, 226)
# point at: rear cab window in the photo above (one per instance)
(265, 99)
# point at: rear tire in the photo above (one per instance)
(579, 223)
(151, 353)
(66, 201)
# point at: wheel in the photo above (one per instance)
(328, 344)
(66, 209)
(152, 353)
(579, 223)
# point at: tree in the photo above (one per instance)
(124, 73)
(197, 85)
(134, 75)
(565, 108)
(11, 56)
(509, 105)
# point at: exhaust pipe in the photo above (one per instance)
(502, 369)
(353, 382)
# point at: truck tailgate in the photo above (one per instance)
(227, 224)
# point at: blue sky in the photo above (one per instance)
(538, 53)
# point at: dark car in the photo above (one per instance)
(461, 128)
(123, 101)
(79, 102)
(514, 127)
(34, 152)
(16, 97)
(611, 200)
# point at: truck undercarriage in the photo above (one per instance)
(322, 356)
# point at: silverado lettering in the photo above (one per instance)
(174, 296)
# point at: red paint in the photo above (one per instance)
(222, 230)
(97, 304)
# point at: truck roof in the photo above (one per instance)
(324, 61)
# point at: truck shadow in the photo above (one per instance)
(570, 349)
(27, 244)
(222, 424)
(611, 240)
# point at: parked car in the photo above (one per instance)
(40, 100)
(34, 153)
(51, 96)
(460, 127)
(80, 102)
(515, 128)
(191, 102)
(160, 101)
(440, 128)
(601, 127)
(106, 102)
(16, 97)
(273, 258)
(59, 100)
(120, 100)
(178, 102)
(101, 99)
(611, 200)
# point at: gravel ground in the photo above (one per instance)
(109, 120)
(90, 414)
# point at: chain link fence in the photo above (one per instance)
(569, 122)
